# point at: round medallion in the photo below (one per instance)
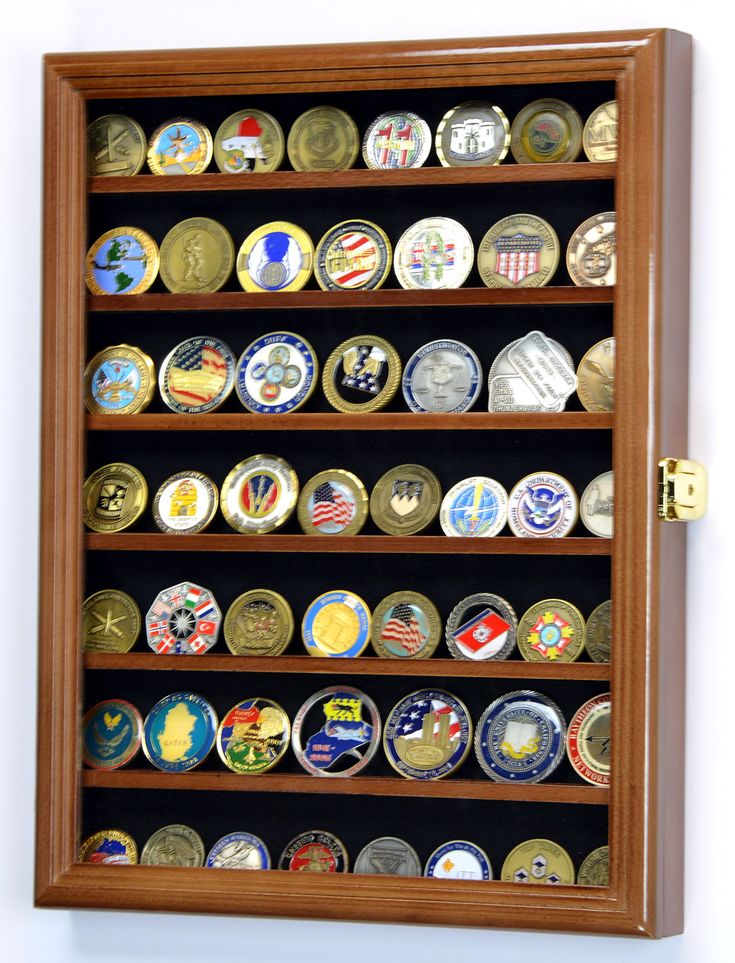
(249, 141)
(116, 146)
(336, 625)
(543, 505)
(599, 632)
(427, 734)
(185, 503)
(180, 146)
(546, 131)
(475, 507)
(597, 504)
(113, 847)
(594, 870)
(119, 380)
(388, 856)
(197, 256)
(183, 620)
(253, 736)
(315, 851)
(174, 845)
(110, 622)
(519, 251)
(111, 734)
(122, 261)
(405, 500)
(488, 634)
(473, 134)
(239, 851)
(591, 252)
(336, 732)
(259, 494)
(334, 502)
(197, 376)
(276, 373)
(258, 622)
(540, 376)
(588, 740)
(442, 376)
(179, 732)
(551, 630)
(353, 256)
(600, 134)
(114, 497)
(596, 377)
(459, 859)
(361, 375)
(433, 254)
(538, 861)
(323, 139)
(278, 256)
(406, 625)
(396, 140)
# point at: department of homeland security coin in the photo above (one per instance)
(352, 256)
(427, 734)
(361, 374)
(388, 856)
(597, 505)
(521, 737)
(323, 139)
(258, 622)
(120, 380)
(442, 376)
(114, 497)
(594, 870)
(487, 635)
(276, 373)
(538, 861)
(396, 140)
(588, 740)
(599, 632)
(406, 625)
(197, 376)
(543, 505)
(110, 622)
(185, 503)
(596, 377)
(111, 734)
(239, 851)
(197, 256)
(180, 146)
(405, 500)
(259, 494)
(122, 261)
(533, 373)
(334, 502)
(591, 252)
(433, 254)
(279, 256)
(600, 134)
(183, 620)
(458, 859)
(249, 141)
(519, 251)
(337, 624)
(116, 146)
(475, 507)
(253, 736)
(315, 851)
(113, 847)
(179, 732)
(551, 630)
(546, 131)
(336, 732)
(174, 845)
(473, 134)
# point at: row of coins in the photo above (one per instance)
(197, 256)
(532, 861)
(520, 737)
(185, 619)
(261, 493)
(472, 134)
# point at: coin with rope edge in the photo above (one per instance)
(362, 374)
(185, 503)
(488, 634)
(427, 735)
(406, 625)
(396, 140)
(122, 261)
(179, 732)
(552, 630)
(459, 859)
(113, 847)
(334, 502)
(239, 851)
(183, 620)
(276, 373)
(352, 256)
(315, 851)
(180, 146)
(259, 494)
(114, 497)
(119, 380)
(111, 734)
(337, 624)
(336, 732)
(279, 256)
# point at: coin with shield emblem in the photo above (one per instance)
(114, 497)
(519, 251)
(543, 505)
(323, 139)
(405, 500)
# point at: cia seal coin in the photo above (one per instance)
(546, 131)
(543, 505)
(396, 140)
(427, 734)
(442, 376)
(538, 861)
(388, 856)
(588, 740)
(489, 634)
(406, 625)
(119, 380)
(258, 622)
(594, 870)
(433, 254)
(315, 851)
(111, 734)
(599, 632)
(180, 146)
(458, 859)
(116, 146)
(197, 256)
(278, 256)
(323, 139)
(596, 377)
(551, 630)
(276, 373)
(197, 376)
(114, 497)
(336, 732)
(337, 624)
(361, 374)
(110, 622)
(185, 503)
(334, 502)
(533, 373)
(405, 500)
(253, 736)
(259, 494)
(113, 847)
(519, 251)
(597, 504)
(239, 851)
(600, 134)
(122, 261)
(179, 732)
(174, 845)
(249, 141)
(473, 134)
(183, 620)
(591, 252)
(352, 256)
(475, 507)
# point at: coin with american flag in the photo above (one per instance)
(352, 256)
(334, 502)
(427, 734)
(197, 376)
(406, 625)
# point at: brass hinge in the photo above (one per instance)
(682, 490)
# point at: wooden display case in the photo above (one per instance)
(642, 568)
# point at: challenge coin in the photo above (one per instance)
(197, 376)
(323, 139)
(337, 624)
(185, 503)
(253, 736)
(405, 500)
(180, 146)
(519, 251)
(113, 847)
(597, 504)
(459, 859)
(433, 254)
(406, 625)
(473, 134)
(259, 494)
(538, 861)
(183, 620)
(594, 870)
(362, 374)
(546, 131)
(488, 634)
(334, 502)
(396, 140)
(278, 256)
(119, 380)
(588, 740)
(591, 252)
(539, 378)
(111, 734)
(442, 376)
(543, 505)
(336, 732)
(239, 851)
(122, 261)
(258, 622)
(276, 373)
(388, 856)
(174, 845)
(249, 141)
(600, 134)
(475, 507)
(352, 256)
(551, 630)
(116, 146)
(427, 734)
(315, 851)
(197, 256)
(596, 377)
(114, 497)
(599, 632)
(110, 622)
(179, 732)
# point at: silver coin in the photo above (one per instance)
(174, 845)
(396, 140)
(239, 851)
(388, 856)
(538, 369)
(433, 254)
(597, 504)
(489, 635)
(336, 732)
(442, 376)
(183, 620)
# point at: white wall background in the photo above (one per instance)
(29, 30)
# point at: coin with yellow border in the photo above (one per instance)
(110, 621)
(551, 630)
(278, 256)
(538, 861)
(596, 377)
(122, 261)
(337, 624)
(185, 503)
(119, 380)
(114, 497)
(197, 256)
(362, 374)
(334, 502)
(113, 847)
(180, 146)
(519, 251)
(259, 494)
(259, 622)
(473, 134)
(594, 870)
(249, 141)
(546, 131)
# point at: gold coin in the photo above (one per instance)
(405, 500)
(406, 625)
(538, 861)
(323, 139)
(180, 146)
(520, 251)
(116, 146)
(122, 261)
(334, 502)
(197, 256)
(599, 632)
(259, 494)
(119, 380)
(368, 367)
(110, 622)
(591, 252)
(253, 736)
(174, 845)
(473, 134)
(551, 630)
(594, 870)
(278, 256)
(114, 847)
(114, 497)
(600, 135)
(259, 622)
(596, 377)
(588, 740)
(336, 624)
(546, 131)
(249, 141)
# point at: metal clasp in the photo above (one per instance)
(682, 490)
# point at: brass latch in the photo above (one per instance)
(682, 490)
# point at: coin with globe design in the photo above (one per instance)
(123, 260)
(112, 847)
(474, 508)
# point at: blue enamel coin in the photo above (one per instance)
(276, 373)
(239, 851)
(427, 735)
(111, 734)
(179, 732)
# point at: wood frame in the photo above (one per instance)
(652, 72)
